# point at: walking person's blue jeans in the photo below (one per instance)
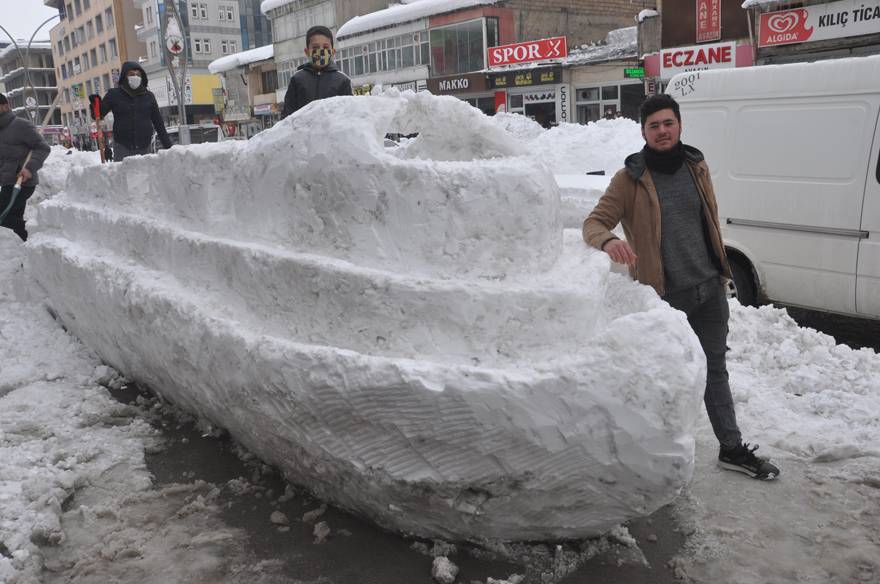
(707, 312)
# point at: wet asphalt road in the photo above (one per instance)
(359, 553)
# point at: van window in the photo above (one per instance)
(831, 141)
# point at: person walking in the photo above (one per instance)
(135, 114)
(665, 201)
(22, 153)
(319, 78)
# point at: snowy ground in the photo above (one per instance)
(77, 503)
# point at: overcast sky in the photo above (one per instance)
(22, 17)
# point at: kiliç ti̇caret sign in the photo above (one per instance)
(819, 22)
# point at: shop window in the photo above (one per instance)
(515, 101)
(457, 49)
(589, 113)
(631, 98)
(492, 34)
(609, 92)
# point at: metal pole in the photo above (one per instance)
(179, 85)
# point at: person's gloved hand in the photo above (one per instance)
(94, 99)
(166, 143)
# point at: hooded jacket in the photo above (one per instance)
(18, 136)
(632, 200)
(135, 112)
(309, 84)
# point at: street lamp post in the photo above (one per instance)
(175, 44)
(32, 107)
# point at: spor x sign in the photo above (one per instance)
(540, 50)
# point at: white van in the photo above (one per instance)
(794, 152)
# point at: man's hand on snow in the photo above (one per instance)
(620, 252)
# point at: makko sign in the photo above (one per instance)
(819, 22)
(529, 52)
(697, 58)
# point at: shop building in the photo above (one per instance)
(692, 36)
(786, 32)
(247, 102)
(553, 85)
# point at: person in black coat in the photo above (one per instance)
(317, 79)
(18, 139)
(135, 114)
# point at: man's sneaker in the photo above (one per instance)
(742, 459)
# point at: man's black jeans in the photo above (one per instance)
(15, 219)
(707, 312)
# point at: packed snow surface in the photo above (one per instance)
(812, 404)
(406, 331)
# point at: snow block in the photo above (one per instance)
(406, 331)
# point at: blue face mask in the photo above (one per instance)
(321, 57)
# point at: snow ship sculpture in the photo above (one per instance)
(406, 331)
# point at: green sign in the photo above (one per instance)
(634, 73)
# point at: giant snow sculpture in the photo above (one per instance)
(406, 331)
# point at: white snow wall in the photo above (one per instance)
(411, 338)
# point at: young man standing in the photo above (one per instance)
(317, 79)
(18, 139)
(664, 199)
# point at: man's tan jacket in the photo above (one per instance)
(631, 200)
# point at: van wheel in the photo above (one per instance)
(743, 285)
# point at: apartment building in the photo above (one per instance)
(31, 89)
(213, 29)
(89, 45)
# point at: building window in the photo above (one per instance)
(197, 45)
(224, 47)
(85, 61)
(113, 51)
(153, 50)
(70, 10)
(87, 4)
(206, 46)
(194, 10)
(457, 49)
(270, 81)
(99, 24)
(106, 79)
(63, 71)
(102, 53)
(108, 16)
(233, 46)
(149, 15)
(90, 30)
(230, 13)
(66, 43)
(594, 103)
(203, 11)
(78, 7)
(60, 48)
(93, 54)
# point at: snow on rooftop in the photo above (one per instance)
(429, 379)
(753, 3)
(23, 45)
(647, 13)
(241, 59)
(401, 13)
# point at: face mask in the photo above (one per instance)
(134, 81)
(322, 57)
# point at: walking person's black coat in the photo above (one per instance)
(310, 83)
(135, 112)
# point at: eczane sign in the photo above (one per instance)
(528, 52)
(696, 58)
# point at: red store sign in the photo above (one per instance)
(708, 20)
(541, 50)
(819, 22)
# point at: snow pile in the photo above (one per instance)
(520, 126)
(407, 332)
(578, 149)
(648, 13)
(53, 175)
